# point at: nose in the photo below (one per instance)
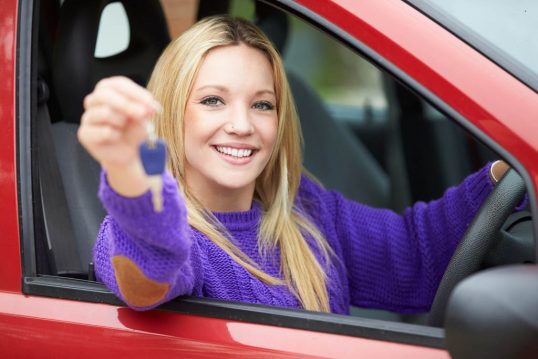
(240, 122)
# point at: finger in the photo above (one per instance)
(137, 133)
(103, 115)
(114, 99)
(91, 136)
(131, 90)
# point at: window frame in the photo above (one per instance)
(87, 291)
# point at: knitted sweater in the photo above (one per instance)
(382, 259)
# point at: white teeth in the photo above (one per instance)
(234, 151)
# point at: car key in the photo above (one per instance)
(153, 156)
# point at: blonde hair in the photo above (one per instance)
(276, 188)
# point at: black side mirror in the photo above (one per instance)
(494, 314)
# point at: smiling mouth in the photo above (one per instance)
(235, 152)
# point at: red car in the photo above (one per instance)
(398, 100)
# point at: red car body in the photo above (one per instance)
(46, 327)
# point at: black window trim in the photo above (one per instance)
(25, 101)
(75, 289)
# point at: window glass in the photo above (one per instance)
(338, 75)
(242, 8)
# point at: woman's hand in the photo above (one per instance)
(112, 128)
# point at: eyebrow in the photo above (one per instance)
(269, 92)
(225, 89)
(216, 87)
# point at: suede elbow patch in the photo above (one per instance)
(137, 289)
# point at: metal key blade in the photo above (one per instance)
(156, 188)
(152, 134)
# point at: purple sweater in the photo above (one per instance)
(383, 260)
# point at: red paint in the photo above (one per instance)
(10, 263)
(86, 330)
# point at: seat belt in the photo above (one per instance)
(64, 258)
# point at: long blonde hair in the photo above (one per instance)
(276, 188)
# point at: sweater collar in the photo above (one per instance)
(240, 220)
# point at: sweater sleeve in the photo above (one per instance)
(144, 256)
(396, 262)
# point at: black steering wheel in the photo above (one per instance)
(479, 238)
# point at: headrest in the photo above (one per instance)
(274, 23)
(76, 70)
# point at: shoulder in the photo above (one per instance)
(315, 200)
(320, 206)
(310, 190)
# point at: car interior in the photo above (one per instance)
(413, 153)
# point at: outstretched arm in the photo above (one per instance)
(141, 255)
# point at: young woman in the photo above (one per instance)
(240, 221)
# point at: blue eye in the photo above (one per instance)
(212, 101)
(263, 106)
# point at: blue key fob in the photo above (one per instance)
(153, 156)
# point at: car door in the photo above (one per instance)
(44, 312)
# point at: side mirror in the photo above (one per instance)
(494, 314)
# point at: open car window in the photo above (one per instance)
(386, 137)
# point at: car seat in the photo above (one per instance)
(75, 72)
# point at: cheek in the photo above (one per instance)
(187, 136)
(192, 139)
(269, 131)
(194, 129)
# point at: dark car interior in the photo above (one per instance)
(414, 155)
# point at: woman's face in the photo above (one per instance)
(230, 125)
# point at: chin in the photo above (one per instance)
(234, 185)
(236, 181)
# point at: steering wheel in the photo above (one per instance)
(479, 238)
